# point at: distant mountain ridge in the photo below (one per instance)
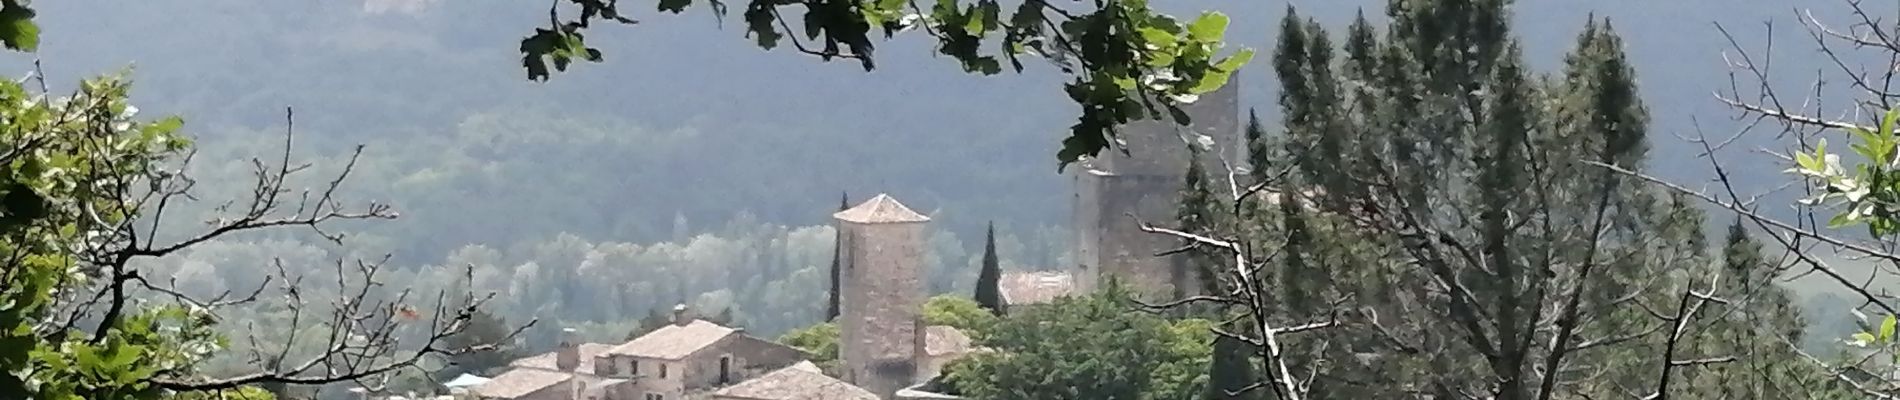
(716, 126)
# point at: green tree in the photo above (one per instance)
(837, 274)
(961, 313)
(1259, 150)
(989, 291)
(1752, 329)
(483, 328)
(242, 393)
(1087, 347)
(1230, 370)
(819, 341)
(1195, 213)
(1445, 165)
(86, 185)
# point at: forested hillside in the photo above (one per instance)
(686, 121)
(690, 167)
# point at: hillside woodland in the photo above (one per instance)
(1441, 199)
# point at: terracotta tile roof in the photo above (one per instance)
(674, 342)
(1022, 287)
(880, 210)
(519, 382)
(943, 340)
(546, 360)
(795, 384)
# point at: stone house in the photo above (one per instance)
(555, 375)
(692, 356)
(683, 360)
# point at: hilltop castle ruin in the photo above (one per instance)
(1112, 190)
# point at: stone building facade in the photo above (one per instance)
(1146, 183)
(881, 304)
(684, 360)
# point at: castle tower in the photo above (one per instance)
(1147, 184)
(881, 274)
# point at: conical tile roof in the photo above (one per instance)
(880, 210)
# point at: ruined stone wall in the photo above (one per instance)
(1121, 248)
(1088, 230)
(1159, 147)
(1147, 183)
(883, 297)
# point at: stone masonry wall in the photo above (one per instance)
(1147, 183)
(882, 299)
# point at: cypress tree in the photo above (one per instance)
(989, 292)
(1231, 366)
(1322, 109)
(837, 253)
(1298, 279)
(1740, 254)
(1289, 64)
(1361, 49)
(1259, 151)
(1195, 214)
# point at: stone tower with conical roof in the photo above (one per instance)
(881, 276)
(1113, 189)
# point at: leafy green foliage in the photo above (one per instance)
(1129, 62)
(958, 312)
(17, 29)
(1869, 190)
(820, 342)
(559, 46)
(244, 393)
(72, 158)
(1088, 347)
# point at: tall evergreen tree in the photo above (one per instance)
(1759, 313)
(1289, 64)
(989, 291)
(1480, 249)
(1194, 269)
(1231, 367)
(837, 272)
(1260, 152)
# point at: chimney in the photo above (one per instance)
(679, 315)
(568, 356)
